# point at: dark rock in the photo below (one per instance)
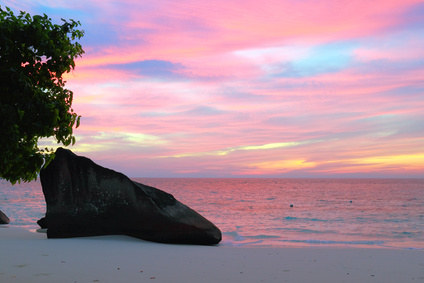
(85, 199)
(42, 223)
(3, 218)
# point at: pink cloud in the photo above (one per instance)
(188, 29)
(338, 81)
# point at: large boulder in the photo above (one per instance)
(3, 218)
(85, 199)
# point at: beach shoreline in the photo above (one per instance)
(31, 257)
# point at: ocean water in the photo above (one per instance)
(377, 213)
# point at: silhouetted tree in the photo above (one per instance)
(34, 54)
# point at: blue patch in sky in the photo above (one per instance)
(326, 58)
(57, 13)
(406, 92)
(393, 67)
(203, 110)
(97, 33)
(99, 36)
(415, 16)
(152, 68)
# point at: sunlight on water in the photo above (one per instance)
(280, 212)
(299, 212)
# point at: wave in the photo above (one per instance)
(329, 242)
(291, 218)
(263, 237)
(303, 230)
(235, 236)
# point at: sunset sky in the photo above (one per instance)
(287, 88)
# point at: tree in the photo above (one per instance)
(34, 54)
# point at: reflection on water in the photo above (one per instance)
(280, 212)
(23, 203)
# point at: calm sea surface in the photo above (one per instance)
(279, 212)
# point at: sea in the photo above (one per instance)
(257, 212)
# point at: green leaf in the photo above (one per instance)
(33, 101)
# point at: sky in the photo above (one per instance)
(241, 88)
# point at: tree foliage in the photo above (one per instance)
(34, 55)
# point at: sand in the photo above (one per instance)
(31, 257)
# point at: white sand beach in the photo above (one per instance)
(31, 257)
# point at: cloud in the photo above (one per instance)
(300, 61)
(227, 151)
(151, 68)
(228, 88)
